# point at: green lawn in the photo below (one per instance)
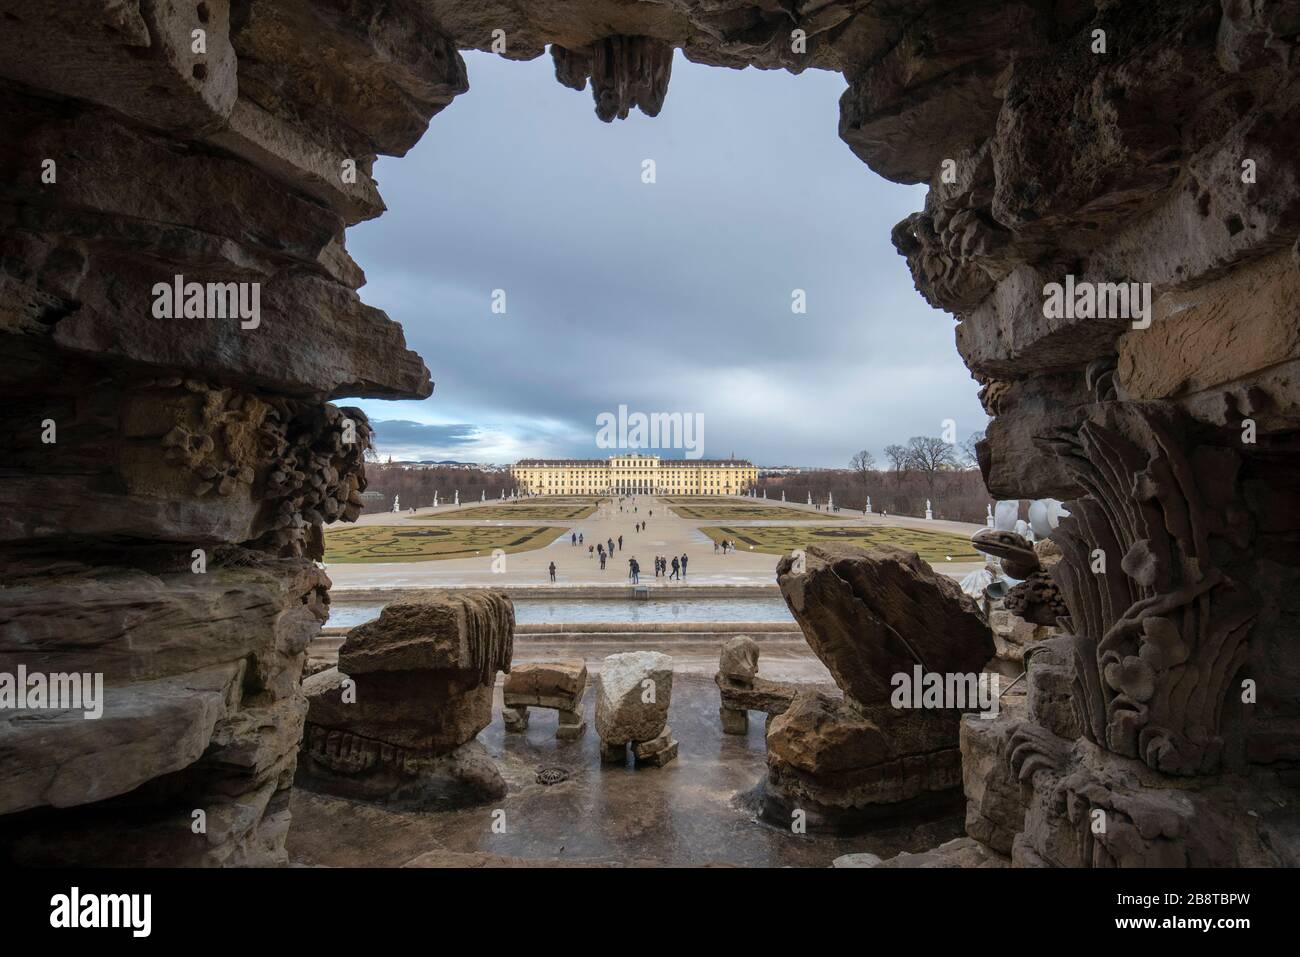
(705, 509)
(933, 547)
(405, 543)
(558, 509)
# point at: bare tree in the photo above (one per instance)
(930, 455)
(864, 463)
(969, 457)
(900, 460)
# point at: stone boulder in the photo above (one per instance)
(870, 614)
(875, 618)
(632, 700)
(396, 720)
(739, 658)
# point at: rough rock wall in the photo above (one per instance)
(1152, 144)
(168, 468)
(1167, 157)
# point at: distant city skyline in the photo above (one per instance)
(671, 297)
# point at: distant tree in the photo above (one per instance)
(900, 460)
(969, 457)
(864, 463)
(930, 455)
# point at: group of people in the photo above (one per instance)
(604, 551)
(726, 545)
(662, 565)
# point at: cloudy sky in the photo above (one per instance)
(673, 296)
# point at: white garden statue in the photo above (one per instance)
(397, 503)
(929, 514)
(1005, 514)
(1044, 515)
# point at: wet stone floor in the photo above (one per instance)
(700, 809)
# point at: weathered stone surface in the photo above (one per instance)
(1019, 560)
(625, 72)
(855, 860)
(739, 658)
(469, 631)
(742, 691)
(963, 852)
(1037, 600)
(396, 720)
(658, 751)
(761, 694)
(872, 613)
(201, 707)
(189, 464)
(633, 695)
(1236, 821)
(845, 766)
(871, 616)
(546, 684)
(536, 680)
(432, 711)
(1012, 633)
(1044, 159)
(995, 809)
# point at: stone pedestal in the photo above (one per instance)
(515, 718)
(572, 726)
(656, 752)
(734, 720)
(556, 685)
(613, 752)
(742, 691)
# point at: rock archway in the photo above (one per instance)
(231, 141)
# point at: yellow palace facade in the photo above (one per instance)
(632, 474)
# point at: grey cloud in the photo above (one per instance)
(666, 297)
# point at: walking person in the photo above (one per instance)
(573, 539)
(683, 564)
(620, 543)
(602, 561)
(552, 571)
(676, 568)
